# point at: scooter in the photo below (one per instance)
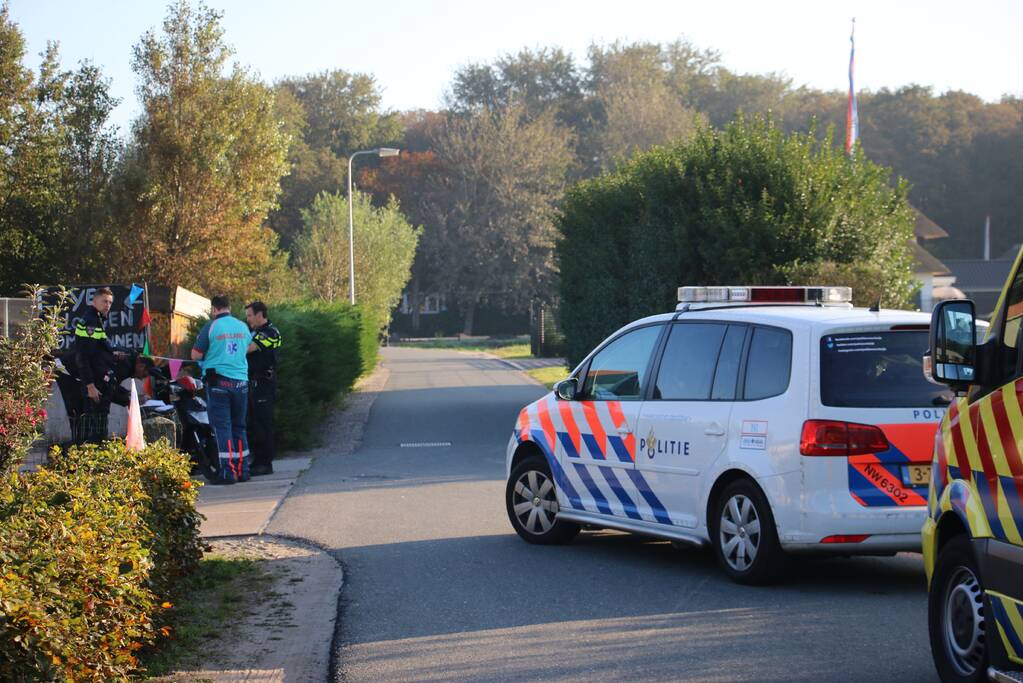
(194, 431)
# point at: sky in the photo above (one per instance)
(413, 47)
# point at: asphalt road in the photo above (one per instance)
(438, 587)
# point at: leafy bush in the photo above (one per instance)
(326, 347)
(745, 205)
(89, 548)
(25, 373)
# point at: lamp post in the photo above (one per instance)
(380, 152)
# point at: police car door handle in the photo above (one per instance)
(714, 430)
(624, 430)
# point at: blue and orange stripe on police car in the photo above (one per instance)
(875, 480)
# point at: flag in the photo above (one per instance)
(144, 320)
(852, 120)
(145, 347)
(174, 366)
(136, 292)
(134, 438)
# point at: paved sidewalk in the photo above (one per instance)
(246, 508)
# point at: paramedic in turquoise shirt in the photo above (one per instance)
(220, 348)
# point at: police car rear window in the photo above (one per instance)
(877, 370)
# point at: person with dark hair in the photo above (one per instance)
(96, 365)
(262, 353)
(221, 347)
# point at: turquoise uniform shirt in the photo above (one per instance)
(224, 342)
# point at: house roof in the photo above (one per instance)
(926, 229)
(925, 262)
(973, 275)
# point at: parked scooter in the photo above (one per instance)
(195, 435)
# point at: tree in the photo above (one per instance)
(329, 115)
(502, 174)
(385, 245)
(744, 205)
(204, 165)
(56, 157)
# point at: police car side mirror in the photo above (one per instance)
(953, 347)
(566, 389)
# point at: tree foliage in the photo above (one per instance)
(204, 165)
(385, 245)
(500, 174)
(744, 205)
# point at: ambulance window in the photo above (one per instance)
(618, 371)
(769, 364)
(1011, 329)
(687, 366)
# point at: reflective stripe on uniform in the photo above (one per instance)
(97, 333)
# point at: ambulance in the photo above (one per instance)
(765, 422)
(973, 533)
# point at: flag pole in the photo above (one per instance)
(852, 120)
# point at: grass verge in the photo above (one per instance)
(548, 376)
(210, 602)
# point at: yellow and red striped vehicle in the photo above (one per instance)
(973, 535)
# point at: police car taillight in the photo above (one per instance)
(835, 438)
(765, 295)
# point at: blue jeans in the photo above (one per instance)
(227, 401)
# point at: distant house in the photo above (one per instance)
(935, 278)
(981, 281)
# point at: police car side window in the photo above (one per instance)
(769, 363)
(619, 370)
(687, 365)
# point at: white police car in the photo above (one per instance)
(762, 420)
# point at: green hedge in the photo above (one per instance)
(326, 348)
(89, 550)
(743, 205)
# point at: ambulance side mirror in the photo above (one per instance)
(953, 348)
(567, 389)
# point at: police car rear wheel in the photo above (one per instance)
(956, 615)
(532, 503)
(744, 536)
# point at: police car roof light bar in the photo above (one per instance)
(765, 295)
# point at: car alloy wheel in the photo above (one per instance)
(739, 528)
(535, 502)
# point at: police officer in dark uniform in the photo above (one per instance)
(96, 364)
(266, 340)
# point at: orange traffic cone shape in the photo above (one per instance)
(134, 439)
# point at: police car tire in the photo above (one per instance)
(560, 531)
(953, 569)
(770, 561)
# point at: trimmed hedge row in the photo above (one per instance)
(90, 548)
(326, 348)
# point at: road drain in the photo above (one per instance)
(425, 444)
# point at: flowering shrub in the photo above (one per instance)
(90, 549)
(25, 376)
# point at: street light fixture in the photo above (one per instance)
(380, 152)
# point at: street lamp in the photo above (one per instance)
(380, 152)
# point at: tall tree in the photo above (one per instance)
(385, 245)
(204, 165)
(330, 115)
(503, 171)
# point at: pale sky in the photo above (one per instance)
(413, 47)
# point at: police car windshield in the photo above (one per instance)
(877, 370)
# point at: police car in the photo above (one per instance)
(763, 421)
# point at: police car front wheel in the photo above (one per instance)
(532, 503)
(744, 536)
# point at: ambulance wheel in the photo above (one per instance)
(955, 615)
(744, 536)
(532, 503)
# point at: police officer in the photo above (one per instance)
(96, 364)
(266, 340)
(221, 346)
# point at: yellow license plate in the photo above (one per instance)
(918, 475)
